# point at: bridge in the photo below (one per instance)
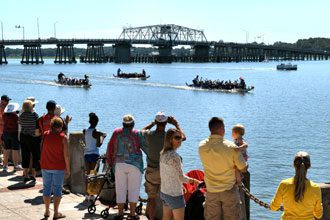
(164, 38)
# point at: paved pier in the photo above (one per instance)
(19, 200)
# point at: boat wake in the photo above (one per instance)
(32, 81)
(172, 86)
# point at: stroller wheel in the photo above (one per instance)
(138, 209)
(91, 209)
(105, 213)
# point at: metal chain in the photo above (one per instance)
(256, 200)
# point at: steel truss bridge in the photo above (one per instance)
(165, 37)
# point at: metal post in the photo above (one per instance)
(1, 30)
(246, 36)
(55, 28)
(38, 28)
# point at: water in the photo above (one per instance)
(287, 112)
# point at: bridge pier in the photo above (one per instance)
(32, 54)
(94, 53)
(65, 53)
(201, 54)
(3, 59)
(122, 52)
(165, 54)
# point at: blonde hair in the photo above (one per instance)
(301, 164)
(167, 141)
(239, 129)
(27, 106)
(56, 122)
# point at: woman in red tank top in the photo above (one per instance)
(54, 165)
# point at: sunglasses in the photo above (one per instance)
(178, 138)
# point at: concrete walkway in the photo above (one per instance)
(19, 200)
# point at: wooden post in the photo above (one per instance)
(325, 189)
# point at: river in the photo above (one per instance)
(287, 112)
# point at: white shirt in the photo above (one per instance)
(171, 174)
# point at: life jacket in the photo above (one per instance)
(44, 122)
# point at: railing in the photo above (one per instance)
(159, 42)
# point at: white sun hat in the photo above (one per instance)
(59, 110)
(11, 107)
(32, 99)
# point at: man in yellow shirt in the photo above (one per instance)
(220, 159)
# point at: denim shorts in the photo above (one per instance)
(174, 202)
(91, 158)
(10, 140)
(52, 179)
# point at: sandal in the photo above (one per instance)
(59, 215)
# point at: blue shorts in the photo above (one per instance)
(91, 158)
(10, 140)
(174, 202)
(52, 179)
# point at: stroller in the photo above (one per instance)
(103, 186)
(194, 197)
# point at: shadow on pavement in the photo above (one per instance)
(3, 174)
(36, 201)
(82, 206)
(21, 185)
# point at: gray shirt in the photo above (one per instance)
(154, 141)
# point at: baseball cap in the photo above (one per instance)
(161, 117)
(51, 104)
(128, 119)
(5, 97)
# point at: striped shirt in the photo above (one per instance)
(28, 122)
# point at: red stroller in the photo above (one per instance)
(194, 197)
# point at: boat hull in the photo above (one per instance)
(248, 89)
(75, 86)
(140, 78)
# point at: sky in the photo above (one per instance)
(265, 21)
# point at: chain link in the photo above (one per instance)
(256, 200)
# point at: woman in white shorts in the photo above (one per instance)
(124, 152)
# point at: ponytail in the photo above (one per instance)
(301, 164)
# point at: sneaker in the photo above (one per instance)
(18, 168)
(65, 191)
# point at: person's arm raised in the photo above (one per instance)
(172, 120)
(148, 126)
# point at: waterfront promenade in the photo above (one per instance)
(19, 200)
